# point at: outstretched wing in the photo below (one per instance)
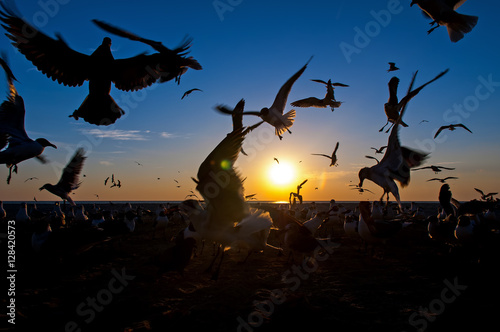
(308, 102)
(12, 112)
(320, 154)
(461, 125)
(53, 57)
(71, 173)
(282, 96)
(440, 130)
(219, 183)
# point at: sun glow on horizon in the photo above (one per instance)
(281, 173)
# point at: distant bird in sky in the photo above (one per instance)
(20, 146)
(451, 127)
(69, 178)
(392, 67)
(435, 168)
(188, 92)
(277, 160)
(32, 178)
(297, 194)
(393, 107)
(58, 61)
(360, 189)
(333, 157)
(395, 165)
(96, 196)
(423, 121)
(170, 63)
(138, 163)
(274, 114)
(176, 181)
(442, 12)
(116, 184)
(106, 181)
(379, 150)
(328, 100)
(443, 180)
(486, 197)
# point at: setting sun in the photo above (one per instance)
(282, 173)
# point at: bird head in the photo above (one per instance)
(264, 111)
(414, 2)
(43, 187)
(106, 41)
(363, 174)
(43, 142)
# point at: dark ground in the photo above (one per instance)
(410, 288)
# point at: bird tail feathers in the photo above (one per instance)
(460, 25)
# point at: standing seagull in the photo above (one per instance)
(451, 127)
(442, 12)
(328, 100)
(274, 114)
(12, 132)
(333, 157)
(58, 61)
(393, 108)
(69, 178)
(392, 67)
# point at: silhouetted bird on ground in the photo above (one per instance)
(451, 127)
(486, 197)
(442, 12)
(58, 61)
(20, 146)
(69, 178)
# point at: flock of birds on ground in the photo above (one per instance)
(224, 215)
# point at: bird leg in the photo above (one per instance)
(215, 275)
(384, 126)
(392, 124)
(432, 29)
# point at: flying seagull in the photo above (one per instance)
(32, 178)
(188, 92)
(333, 157)
(486, 197)
(443, 180)
(395, 165)
(392, 67)
(435, 168)
(58, 61)
(277, 160)
(393, 107)
(451, 127)
(69, 178)
(171, 63)
(274, 114)
(328, 100)
(20, 146)
(379, 150)
(442, 12)
(371, 157)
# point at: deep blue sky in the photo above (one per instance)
(248, 49)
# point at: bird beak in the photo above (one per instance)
(41, 188)
(52, 145)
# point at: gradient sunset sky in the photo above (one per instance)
(248, 49)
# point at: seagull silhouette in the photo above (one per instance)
(443, 180)
(274, 114)
(435, 168)
(58, 61)
(32, 178)
(442, 12)
(393, 108)
(333, 157)
(20, 146)
(69, 178)
(379, 150)
(392, 67)
(170, 63)
(328, 100)
(451, 127)
(188, 92)
(277, 160)
(371, 157)
(486, 197)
